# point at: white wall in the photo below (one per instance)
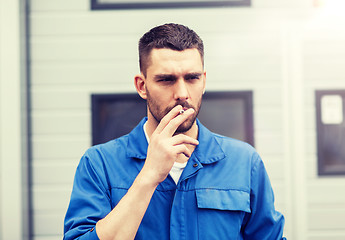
(13, 131)
(324, 60)
(274, 48)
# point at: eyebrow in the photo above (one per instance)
(165, 76)
(192, 75)
(174, 77)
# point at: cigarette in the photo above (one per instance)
(181, 111)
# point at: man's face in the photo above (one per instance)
(174, 78)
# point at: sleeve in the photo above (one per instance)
(89, 203)
(264, 222)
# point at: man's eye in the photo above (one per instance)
(193, 77)
(166, 80)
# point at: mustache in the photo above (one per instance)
(184, 104)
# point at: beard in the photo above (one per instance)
(158, 113)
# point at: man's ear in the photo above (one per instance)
(140, 85)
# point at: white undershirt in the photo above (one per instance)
(176, 169)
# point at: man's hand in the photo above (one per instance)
(164, 146)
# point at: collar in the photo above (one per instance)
(208, 151)
(146, 135)
(137, 144)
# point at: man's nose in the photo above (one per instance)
(181, 90)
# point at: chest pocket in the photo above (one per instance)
(221, 212)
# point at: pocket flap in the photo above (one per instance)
(234, 200)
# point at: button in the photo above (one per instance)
(195, 165)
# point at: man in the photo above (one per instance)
(171, 178)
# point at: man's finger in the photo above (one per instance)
(174, 123)
(184, 150)
(183, 139)
(168, 117)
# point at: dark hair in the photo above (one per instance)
(173, 36)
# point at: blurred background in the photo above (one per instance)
(55, 54)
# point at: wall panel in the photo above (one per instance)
(324, 55)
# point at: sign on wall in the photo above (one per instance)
(330, 110)
(137, 4)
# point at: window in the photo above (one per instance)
(135, 4)
(226, 113)
(330, 115)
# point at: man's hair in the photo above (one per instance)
(172, 36)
